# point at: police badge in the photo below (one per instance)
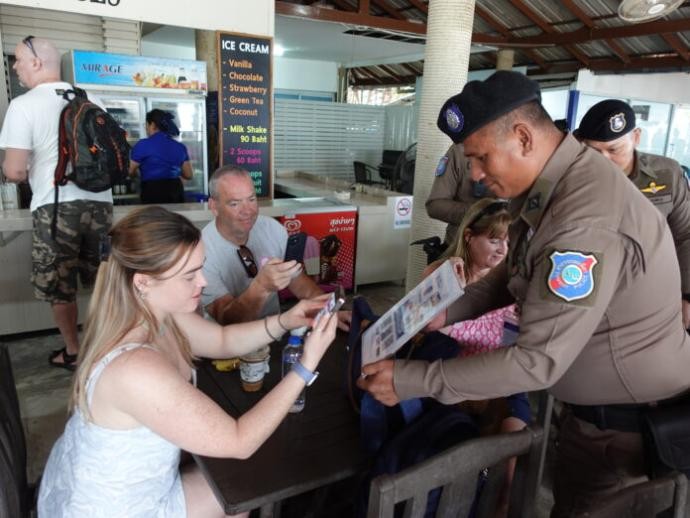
(617, 122)
(454, 118)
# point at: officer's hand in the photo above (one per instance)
(686, 314)
(275, 274)
(377, 379)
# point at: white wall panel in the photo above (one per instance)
(325, 138)
(245, 16)
(121, 36)
(401, 127)
(66, 30)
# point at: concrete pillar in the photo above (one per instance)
(206, 50)
(446, 61)
(505, 59)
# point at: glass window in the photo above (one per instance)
(679, 139)
(653, 119)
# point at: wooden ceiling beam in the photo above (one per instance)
(390, 72)
(364, 72)
(344, 5)
(589, 23)
(585, 34)
(383, 4)
(676, 44)
(533, 17)
(613, 65)
(546, 27)
(412, 70)
(423, 8)
(503, 31)
(406, 80)
(334, 15)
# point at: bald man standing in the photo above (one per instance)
(29, 137)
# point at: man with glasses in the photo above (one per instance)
(610, 127)
(29, 137)
(592, 268)
(244, 263)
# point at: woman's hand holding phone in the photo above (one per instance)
(302, 313)
(318, 340)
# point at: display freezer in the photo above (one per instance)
(130, 86)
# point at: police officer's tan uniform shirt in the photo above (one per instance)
(623, 342)
(452, 191)
(662, 182)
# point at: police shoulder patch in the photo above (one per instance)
(442, 164)
(571, 276)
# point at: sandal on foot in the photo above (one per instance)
(69, 361)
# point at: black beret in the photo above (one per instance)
(605, 121)
(481, 102)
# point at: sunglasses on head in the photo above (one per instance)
(27, 41)
(248, 262)
(489, 210)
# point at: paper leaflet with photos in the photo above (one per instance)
(410, 314)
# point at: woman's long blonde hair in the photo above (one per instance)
(479, 220)
(150, 240)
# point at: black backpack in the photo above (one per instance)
(93, 142)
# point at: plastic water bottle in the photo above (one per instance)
(292, 353)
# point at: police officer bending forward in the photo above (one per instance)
(593, 270)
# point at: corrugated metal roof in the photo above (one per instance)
(568, 38)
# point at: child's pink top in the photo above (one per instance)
(481, 334)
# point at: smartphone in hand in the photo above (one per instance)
(333, 305)
(294, 251)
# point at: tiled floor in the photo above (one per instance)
(44, 391)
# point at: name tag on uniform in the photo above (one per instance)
(660, 199)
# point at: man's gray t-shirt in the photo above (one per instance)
(223, 268)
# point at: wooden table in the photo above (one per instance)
(310, 449)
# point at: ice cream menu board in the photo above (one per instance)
(246, 95)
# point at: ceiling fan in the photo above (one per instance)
(636, 11)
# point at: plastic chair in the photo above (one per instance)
(363, 174)
(15, 493)
(456, 471)
(666, 495)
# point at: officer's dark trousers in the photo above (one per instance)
(592, 464)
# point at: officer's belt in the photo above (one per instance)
(623, 418)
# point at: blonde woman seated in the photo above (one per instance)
(133, 403)
(481, 244)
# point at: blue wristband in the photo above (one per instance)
(308, 376)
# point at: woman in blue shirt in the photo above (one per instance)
(161, 160)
